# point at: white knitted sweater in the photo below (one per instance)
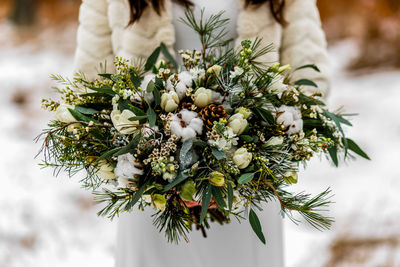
(103, 34)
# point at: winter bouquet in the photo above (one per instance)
(206, 141)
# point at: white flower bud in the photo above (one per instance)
(169, 101)
(105, 170)
(238, 123)
(215, 69)
(245, 111)
(275, 141)
(202, 97)
(242, 158)
(63, 114)
(121, 121)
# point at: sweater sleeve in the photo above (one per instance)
(94, 48)
(304, 42)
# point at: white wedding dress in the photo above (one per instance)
(139, 244)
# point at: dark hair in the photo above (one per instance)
(138, 6)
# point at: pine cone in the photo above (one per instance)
(212, 113)
(187, 103)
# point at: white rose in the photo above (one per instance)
(275, 141)
(290, 118)
(242, 158)
(245, 111)
(238, 123)
(277, 86)
(122, 123)
(203, 97)
(63, 114)
(169, 101)
(105, 171)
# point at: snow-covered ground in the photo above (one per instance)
(47, 221)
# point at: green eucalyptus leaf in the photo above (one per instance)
(85, 110)
(264, 114)
(245, 178)
(152, 59)
(356, 149)
(305, 82)
(150, 87)
(216, 192)
(218, 154)
(80, 117)
(180, 178)
(256, 225)
(205, 202)
(230, 195)
(309, 66)
(152, 117)
(333, 153)
(168, 56)
(186, 155)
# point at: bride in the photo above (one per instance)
(133, 29)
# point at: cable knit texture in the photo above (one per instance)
(103, 34)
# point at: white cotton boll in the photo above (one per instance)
(217, 98)
(291, 118)
(197, 125)
(188, 115)
(127, 167)
(176, 128)
(186, 78)
(187, 125)
(188, 133)
(295, 127)
(181, 89)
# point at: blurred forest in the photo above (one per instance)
(374, 24)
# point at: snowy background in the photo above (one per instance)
(47, 221)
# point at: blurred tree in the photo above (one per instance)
(24, 11)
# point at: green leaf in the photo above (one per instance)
(157, 95)
(356, 149)
(136, 197)
(338, 120)
(135, 79)
(108, 154)
(105, 89)
(245, 178)
(216, 192)
(85, 110)
(205, 202)
(306, 82)
(199, 143)
(246, 138)
(256, 225)
(132, 144)
(168, 56)
(80, 117)
(105, 75)
(180, 178)
(138, 118)
(186, 155)
(230, 195)
(125, 104)
(265, 115)
(152, 59)
(218, 154)
(152, 117)
(312, 66)
(150, 87)
(333, 153)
